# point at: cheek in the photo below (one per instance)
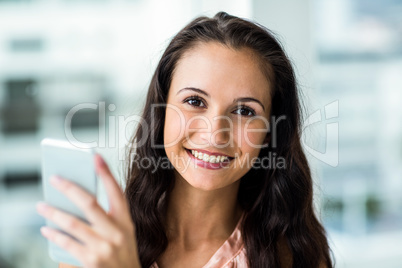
(252, 137)
(174, 127)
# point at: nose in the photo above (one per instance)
(218, 132)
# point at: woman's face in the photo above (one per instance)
(218, 105)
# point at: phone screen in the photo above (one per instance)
(72, 163)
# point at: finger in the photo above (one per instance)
(65, 242)
(69, 224)
(117, 203)
(86, 202)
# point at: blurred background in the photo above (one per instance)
(56, 54)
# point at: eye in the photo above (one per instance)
(245, 111)
(195, 101)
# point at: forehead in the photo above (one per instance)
(216, 69)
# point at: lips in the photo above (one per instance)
(209, 165)
(210, 153)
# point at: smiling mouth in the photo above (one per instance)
(214, 165)
(213, 159)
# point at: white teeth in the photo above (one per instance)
(209, 158)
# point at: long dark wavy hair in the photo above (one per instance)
(278, 202)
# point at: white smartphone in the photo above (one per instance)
(76, 164)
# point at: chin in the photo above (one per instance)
(201, 183)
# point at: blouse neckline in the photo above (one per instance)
(229, 249)
(232, 247)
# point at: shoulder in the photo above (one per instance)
(284, 252)
(286, 257)
(238, 260)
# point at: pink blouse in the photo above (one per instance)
(232, 253)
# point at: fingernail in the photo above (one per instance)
(44, 230)
(55, 180)
(41, 207)
(100, 160)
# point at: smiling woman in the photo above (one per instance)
(220, 88)
(214, 103)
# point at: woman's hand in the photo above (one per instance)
(110, 239)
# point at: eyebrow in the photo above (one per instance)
(244, 99)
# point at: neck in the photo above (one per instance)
(196, 216)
